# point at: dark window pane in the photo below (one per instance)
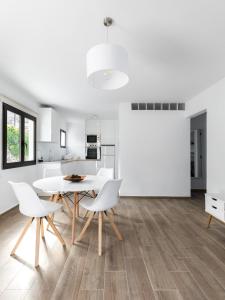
(62, 138)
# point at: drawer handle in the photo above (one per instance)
(214, 199)
(214, 207)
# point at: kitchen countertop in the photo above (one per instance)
(64, 161)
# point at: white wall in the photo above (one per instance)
(76, 138)
(212, 100)
(154, 153)
(108, 131)
(22, 100)
(199, 122)
(28, 174)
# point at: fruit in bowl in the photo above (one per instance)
(74, 178)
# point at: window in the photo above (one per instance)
(62, 138)
(19, 138)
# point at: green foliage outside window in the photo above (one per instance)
(13, 142)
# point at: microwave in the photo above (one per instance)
(91, 138)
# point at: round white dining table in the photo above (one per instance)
(58, 185)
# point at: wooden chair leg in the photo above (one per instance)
(66, 203)
(51, 198)
(113, 211)
(37, 246)
(55, 198)
(22, 235)
(85, 227)
(86, 214)
(115, 228)
(210, 219)
(100, 233)
(55, 230)
(42, 228)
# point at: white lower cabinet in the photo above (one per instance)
(82, 167)
(215, 206)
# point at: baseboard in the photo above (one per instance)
(9, 210)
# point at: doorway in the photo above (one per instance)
(198, 153)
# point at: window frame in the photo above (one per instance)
(22, 163)
(64, 131)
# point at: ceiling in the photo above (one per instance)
(176, 49)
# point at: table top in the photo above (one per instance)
(59, 185)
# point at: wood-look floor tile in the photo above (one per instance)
(138, 280)
(90, 295)
(93, 275)
(168, 295)
(163, 239)
(116, 286)
(187, 286)
(159, 276)
(205, 280)
(70, 280)
(114, 256)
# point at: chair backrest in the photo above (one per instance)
(51, 170)
(106, 172)
(29, 203)
(108, 196)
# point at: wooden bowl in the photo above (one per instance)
(74, 179)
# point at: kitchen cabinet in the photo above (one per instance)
(106, 129)
(81, 167)
(48, 129)
(93, 127)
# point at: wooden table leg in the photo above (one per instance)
(76, 201)
(74, 217)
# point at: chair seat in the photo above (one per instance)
(89, 204)
(49, 207)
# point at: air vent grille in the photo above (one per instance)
(158, 106)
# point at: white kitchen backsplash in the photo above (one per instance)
(50, 151)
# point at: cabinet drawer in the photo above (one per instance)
(215, 207)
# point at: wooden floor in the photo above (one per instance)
(168, 253)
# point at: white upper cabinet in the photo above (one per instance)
(48, 129)
(93, 127)
(106, 129)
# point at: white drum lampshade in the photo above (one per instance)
(107, 66)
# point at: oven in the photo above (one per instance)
(93, 153)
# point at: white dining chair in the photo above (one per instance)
(51, 170)
(107, 198)
(33, 207)
(107, 173)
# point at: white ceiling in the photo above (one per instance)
(176, 49)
